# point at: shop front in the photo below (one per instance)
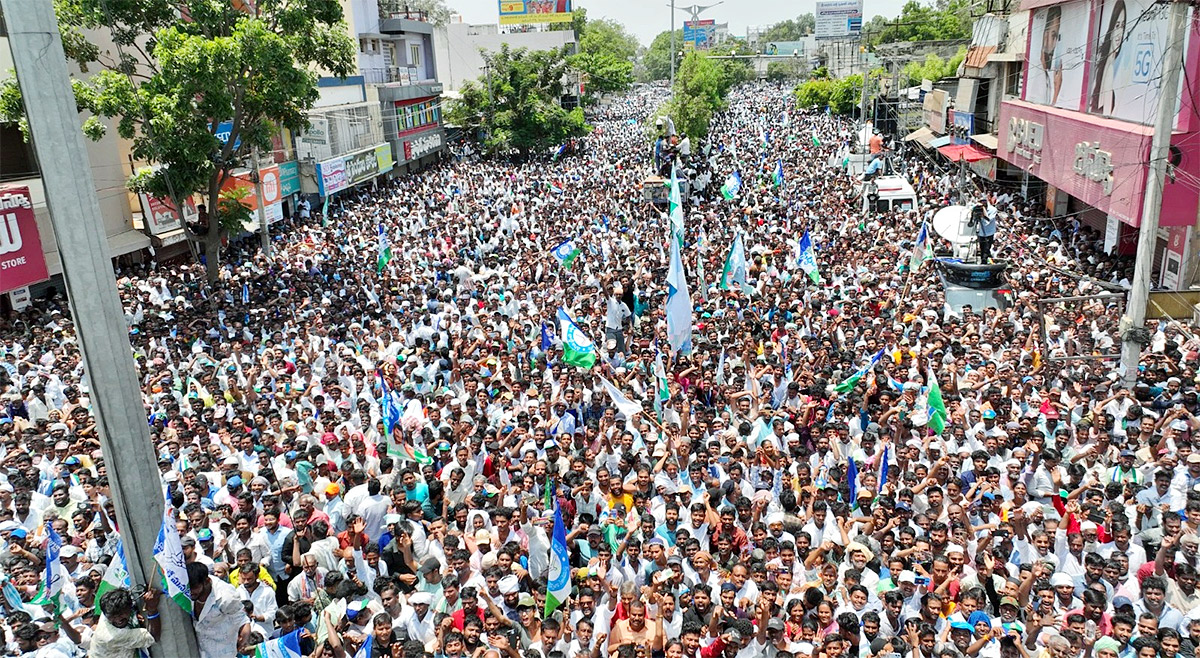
(346, 171)
(1095, 169)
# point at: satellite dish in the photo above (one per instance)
(952, 223)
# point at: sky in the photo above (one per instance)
(646, 18)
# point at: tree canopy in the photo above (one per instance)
(515, 104)
(657, 59)
(193, 96)
(944, 20)
(933, 68)
(792, 29)
(841, 96)
(606, 52)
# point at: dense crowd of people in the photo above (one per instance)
(779, 493)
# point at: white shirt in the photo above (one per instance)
(220, 621)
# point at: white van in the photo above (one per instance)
(887, 193)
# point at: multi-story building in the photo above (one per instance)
(388, 117)
(19, 168)
(460, 48)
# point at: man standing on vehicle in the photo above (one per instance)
(984, 219)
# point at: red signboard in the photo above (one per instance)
(21, 259)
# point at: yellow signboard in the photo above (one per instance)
(515, 12)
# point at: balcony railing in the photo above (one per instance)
(395, 75)
(399, 9)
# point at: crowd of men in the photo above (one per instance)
(777, 494)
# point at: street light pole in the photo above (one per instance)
(672, 46)
(100, 323)
(262, 215)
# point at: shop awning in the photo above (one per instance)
(922, 136)
(127, 242)
(986, 140)
(957, 152)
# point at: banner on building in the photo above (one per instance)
(22, 262)
(336, 174)
(289, 178)
(933, 109)
(244, 180)
(839, 19)
(1058, 39)
(1127, 59)
(699, 35)
(161, 216)
(515, 12)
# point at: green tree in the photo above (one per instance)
(606, 52)
(700, 88)
(789, 69)
(792, 29)
(173, 83)
(516, 105)
(657, 59)
(945, 20)
(578, 23)
(734, 71)
(933, 68)
(815, 93)
(841, 96)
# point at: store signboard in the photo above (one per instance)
(1098, 161)
(22, 262)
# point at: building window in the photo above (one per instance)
(19, 160)
(414, 55)
(412, 116)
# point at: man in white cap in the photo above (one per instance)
(419, 618)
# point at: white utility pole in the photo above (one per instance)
(262, 213)
(91, 286)
(672, 46)
(1160, 147)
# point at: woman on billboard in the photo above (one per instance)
(1108, 62)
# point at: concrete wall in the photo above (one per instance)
(457, 46)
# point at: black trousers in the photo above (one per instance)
(985, 248)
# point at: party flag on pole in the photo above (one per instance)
(566, 253)
(778, 177)
(384, 251)
(558, 584)
(49, 590)
(578, 349)
(732, 186)
(622, 403)
(808, 258)
(168, 553)
(853, 379)
(679, 304)
(736, 267)
(937, 406)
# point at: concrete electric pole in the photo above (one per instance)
(1133, 324)
(99, 319)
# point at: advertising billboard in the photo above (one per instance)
(516, 12)
(933, 110)
(838, 19)
(699, 35)
(1127, 61)
(22, 262)
(270, 186)
(161, 215)
(962, 126)
(1058, 41)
